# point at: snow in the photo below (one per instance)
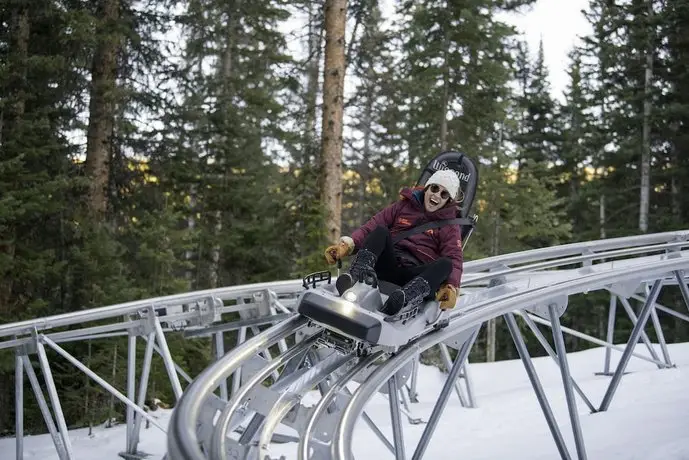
(646, 420)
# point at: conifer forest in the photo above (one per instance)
(151, 147)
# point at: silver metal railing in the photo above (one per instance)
(532, 292)
(201, 314)
(475, 316)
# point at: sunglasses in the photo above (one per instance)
(435, 188)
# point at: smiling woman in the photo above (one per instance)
(439, 249)
(441, 187)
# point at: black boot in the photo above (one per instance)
(411, 295)
(363, 261)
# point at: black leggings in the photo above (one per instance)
(379, 241)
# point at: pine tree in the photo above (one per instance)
(335, 18)
(672, 169)
(37, 176)
(538, 135)
(230, 115)
(575, 163)
(456, 65)
(367, 186)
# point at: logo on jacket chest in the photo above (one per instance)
(404, 221)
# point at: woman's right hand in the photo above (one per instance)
(337, 251)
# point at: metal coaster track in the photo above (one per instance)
(268, 390)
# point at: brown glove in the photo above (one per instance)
(447, 296)
(338, 251)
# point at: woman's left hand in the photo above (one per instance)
(447, 296)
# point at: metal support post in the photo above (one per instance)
(405, 402)
(143, 387)
(19, 404)
(661, 337)
(413, 395)
(610, 335)
(567, 382)
(536, 384)
(167, 359)
(662, 308)
(219, 338)
(544, 343)
(131, 384)
(594, 340)
(179, 370)
(679, 275)
(45, 410)
(659, 333)
(237, 375)
(396, 418)
(447, 360)
(54, 399)
(373, 425)
(282, 344)
(444, 396)
(469, 384)
(644, 337)
(100, 381)
(633, 339)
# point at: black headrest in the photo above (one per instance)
(465, 169)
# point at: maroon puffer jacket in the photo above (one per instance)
(426, 246)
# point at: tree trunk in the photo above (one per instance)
(226, 74)
(16, 92)
(601, 216)
(646, 133)
(21, 32)
(446, 97)
(443, 112)
(102, 106)
(365, 155)
(191, 226)
(333, 108)
(313, 66)
(675, 197)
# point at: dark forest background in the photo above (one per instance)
(154, 147)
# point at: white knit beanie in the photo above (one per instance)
(447, 179)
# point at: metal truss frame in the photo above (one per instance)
(532, 284)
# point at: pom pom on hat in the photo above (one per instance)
(447, 179)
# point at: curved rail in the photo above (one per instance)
(318, 411)
(530, 268)
(527, 272)
(341, 447)
(287, 401)
(292, 286)
(183, 442)
(586, 247)
(218, 440)
(462, 319)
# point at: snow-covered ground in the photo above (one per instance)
(648, 418)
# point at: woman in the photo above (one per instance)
(439, 249)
